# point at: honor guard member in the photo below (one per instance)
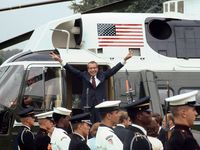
(25, 138)
(106, 139)
(81, 127)
(42, 139)
(140, 116)
(59, 138)
(183, 107)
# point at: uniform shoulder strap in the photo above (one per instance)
(137, 138)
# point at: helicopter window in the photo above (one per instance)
(180, 6)
(33, 94)
(35, 56)
(2, 71)
(172, 7)
(10, 83)
(164, 93)
(166, 7)
(53, 87)
(43, 88)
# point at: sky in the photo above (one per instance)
(16, 22)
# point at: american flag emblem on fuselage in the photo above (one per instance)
(120, 35)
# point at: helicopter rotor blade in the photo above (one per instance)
(33, 4)
(16, 40)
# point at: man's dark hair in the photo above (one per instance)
(92, 62)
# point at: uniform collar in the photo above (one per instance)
(182, 127)
(27, 126)
(103, 125)
(79, 135)
(140, 127)
(121, 125)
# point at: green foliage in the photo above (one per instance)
(85, 5)
(146, 6)
(142, 6)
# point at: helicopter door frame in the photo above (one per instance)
(49, 79)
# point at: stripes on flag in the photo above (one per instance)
(120, 35)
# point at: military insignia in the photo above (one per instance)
(63, 138)
(183, 131)
(109, 139)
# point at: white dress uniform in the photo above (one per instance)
(107, 140)
(59, 139)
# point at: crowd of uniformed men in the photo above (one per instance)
(130, 126)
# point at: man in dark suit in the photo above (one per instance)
(93, 82)
(140, 116)
(184, 110)
(81, 126)
(25, 138)
(121, 128)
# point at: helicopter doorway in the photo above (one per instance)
(75, 86)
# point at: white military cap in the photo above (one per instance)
(108, 106)
(44, 115)
(62, 111)
(183, 99)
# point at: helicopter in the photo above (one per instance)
(165, 61)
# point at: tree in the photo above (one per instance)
(85, 5)
(142, 6)
(146, 6)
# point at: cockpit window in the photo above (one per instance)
(10, 83)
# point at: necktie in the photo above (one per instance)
(93, 82)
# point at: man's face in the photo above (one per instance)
(66, 121)
(114, 117)
(190, 115)
(85, 128)
(30, 120)
(145, 117)
(127, 122)
(92, 69)
(49, 124)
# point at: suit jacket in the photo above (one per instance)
(121, 132)
(78, 143)
(98, 94)
(136, 140)
(162, 136)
